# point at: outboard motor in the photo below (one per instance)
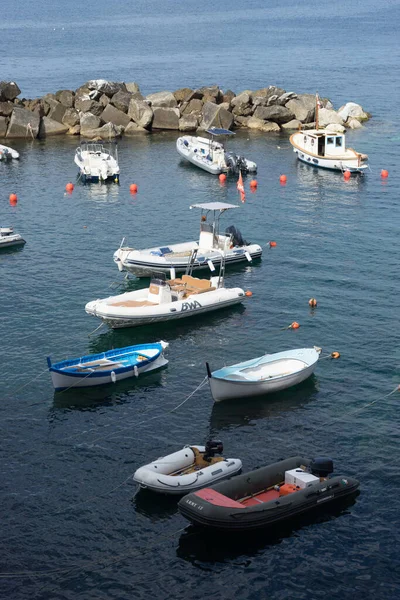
(213, 447)
(241, 164)
(321, 466)
(237, 238)
(231, 161)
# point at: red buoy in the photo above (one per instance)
(253, 183)
(69, 187)
(272, 244)
(248, 293)
(222, 177)
(13, 198)
(294, 325)
(384, 173)
(133, 188)
(347, 174)
(283, 179)
(312, 302)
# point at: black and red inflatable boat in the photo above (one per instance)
(268, 495)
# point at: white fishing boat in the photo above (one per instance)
(263, 375)
(96, 163)
(7, 153)
(166, 300)
(187, 470)
(211, 247)
(327, 149)
(8, 238)
(211, 156)
(107, 367)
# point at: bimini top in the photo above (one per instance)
(217, 131)
(214, 206)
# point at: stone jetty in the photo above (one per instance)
(102, 109)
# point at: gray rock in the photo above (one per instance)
(6, 108)
(66, 97)
(109, 88)
(255, 123)
(241, 121)
(353, 123)
(140, 112)
(335, 128)
(3, 126)
(285, 97)
(50, 127)
(327, 117)
(228, 96)
(71, 117)
(243, 110)
(23, 124)
(104, 100)
(8, 90)
(303, 107)
(188, 123)
(209, 91)
(57, 110)
(215, 116)
(270, 126)
(193, 106)
(162, 100)
(134, 129)
(95, 95)
(112, 115)
(75, 130)
(352, 110)
(121, 100)
(109, 130)
(166, 118)
(278, 114)
(272, 100)
(242, 98)
(272, 90)
(181, 94)
(88, 121)
(86, 104)
(294, 124)
(132, 87)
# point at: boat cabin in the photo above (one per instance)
(323, 143)
(210, 238)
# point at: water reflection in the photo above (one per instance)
(314, 179)
(157, 507)
(101, 192)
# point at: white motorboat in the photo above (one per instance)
(263, 375)
(107, 367)
(211, 247)
(8, 238)
(166, 300)
(7, 153)
(189, 469)
(211, 156)
(96, 163)
(327, 149)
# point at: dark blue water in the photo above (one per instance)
(72, 525)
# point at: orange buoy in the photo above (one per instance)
(312, 302)
(69, 187)
(253, 183)
(283, 179)
(335, 355)
(272, 244)
(133, 188)
(222, 177)
(13, 198)
(294, 325)
(347, 174)
(85, 227)
(248, 293)
(384, 173)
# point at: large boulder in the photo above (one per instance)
(71, 117)
(292, 125)
(165, 118)
(193, 106)
(3, 126)
(210, 93)
(188, 123)
(75, 130)
(353, 124)
(87, 104)
(88, 121)
(162, 100)
(112, 115)
(254, 123)
(228, 96)
(268, 92)
(181, 94)
(140, 112)
(327, 116)
(132, 87)
(6, 108)
(215, 116)
(23, 124)
(50, 127)
(353, 110)
(134, 129)
(242, 104)
(276, 113)
(303, 107)
(104, 133)
(8, 90)
(109, 88)
(335, 128)
(270, 126)
(66, 97)
(285, 98)
(121, 100)
(57, 110)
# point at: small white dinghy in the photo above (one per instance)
(263, 375)
(107, 367)
(211, 156)
(8, 238)
(7, 153)
(96, 163)
(187, 470)
(166, 300)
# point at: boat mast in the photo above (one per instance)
(317, 104)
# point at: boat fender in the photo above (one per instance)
(135, 370)
(113, 376)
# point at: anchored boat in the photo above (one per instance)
(8, 238)
(187, 470)
(211, 247)
(268, 495)
(7, 153)
(107, 367)
(97, 164)
(263, 375)
(211, 156)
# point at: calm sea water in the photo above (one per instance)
(72, 523)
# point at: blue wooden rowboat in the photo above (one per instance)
(107, 367)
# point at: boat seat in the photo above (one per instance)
(132, 303)
(194, 291)
(196, 283)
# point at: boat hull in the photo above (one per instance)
(348, 160)
(15, 240)
(217, 507)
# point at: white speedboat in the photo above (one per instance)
(210, 155)
(187, 470)
(8, 238)
(212, 245)
(96, 163)
(263, 375)
(165, 300)
(107, 367)
(7, 153)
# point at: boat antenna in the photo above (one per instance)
(317, 106)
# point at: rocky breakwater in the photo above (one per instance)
(103, 109)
